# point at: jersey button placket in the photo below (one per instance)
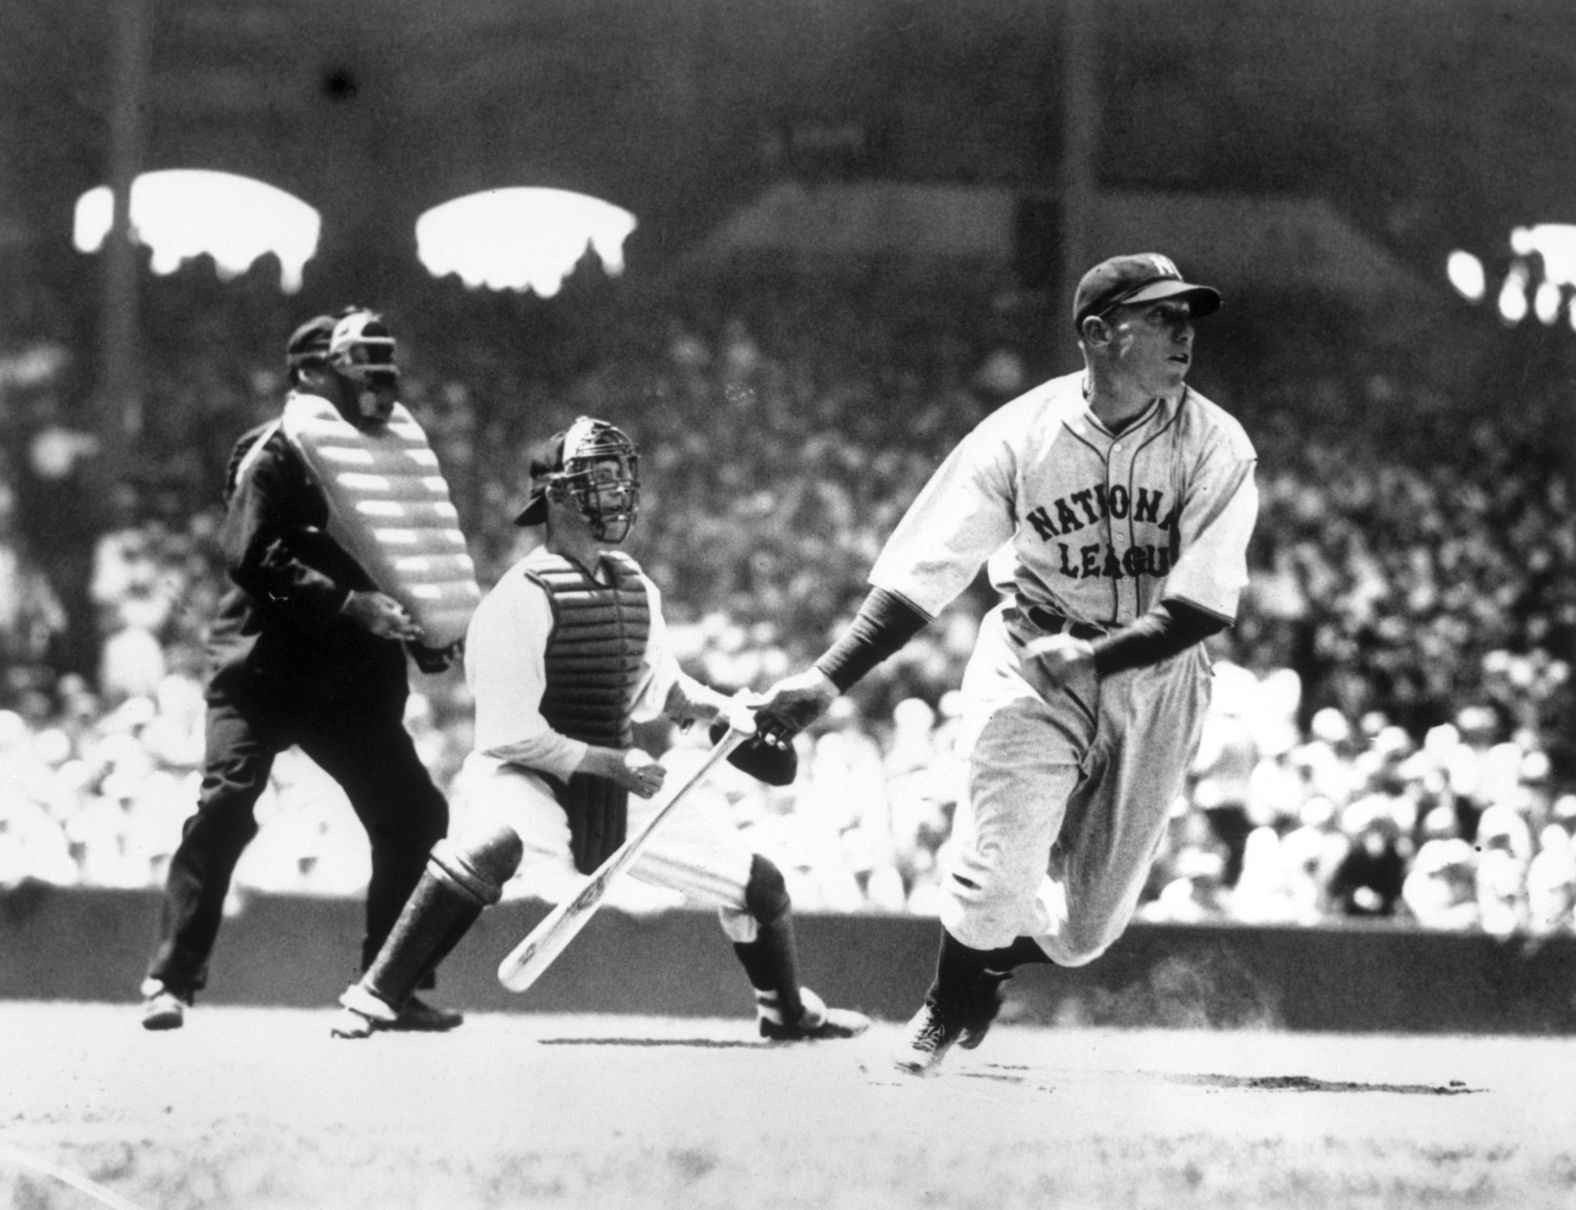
(1118, 473)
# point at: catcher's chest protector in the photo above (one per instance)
(389, 507)
(593, 666)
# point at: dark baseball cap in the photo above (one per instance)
(1140, 278)
(547, 459)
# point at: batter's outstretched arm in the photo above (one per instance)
(885, 622)
(1169, 628)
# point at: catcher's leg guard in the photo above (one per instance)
(771, 961)
(784, 1011)
(453, 890)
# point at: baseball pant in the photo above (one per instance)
(697, 850)
(1067, 798)
(365, 748)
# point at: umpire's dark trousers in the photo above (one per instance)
(364, 746)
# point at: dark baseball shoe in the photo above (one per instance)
(817, 1023)
(162, 1007)
(420, 1017)
(361, 1012)
(989, 994)
(930, 1034)
(937, 1027)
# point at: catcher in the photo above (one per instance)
(564, 654)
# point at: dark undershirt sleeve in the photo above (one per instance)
(885, 622)
(1167, 629)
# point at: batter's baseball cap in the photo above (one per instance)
(1141, 278)
(547, 459)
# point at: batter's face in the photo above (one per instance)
(1151, 345)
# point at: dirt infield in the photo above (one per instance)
(258, 1109)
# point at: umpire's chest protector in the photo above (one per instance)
(593, 664)
(389, 507)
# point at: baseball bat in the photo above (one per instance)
(526, 962)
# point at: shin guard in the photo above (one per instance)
(772, 960)
(449, 898)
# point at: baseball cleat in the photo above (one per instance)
(363, 1014)
(351, 1024)
(420, 1017)
(817, 1023)
(930, 1034)
(935, 1029)
(990, 993)
(163, 1008)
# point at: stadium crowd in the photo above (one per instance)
(1392, 729)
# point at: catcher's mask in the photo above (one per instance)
(594, 468)
(362, 349)
(356, 345)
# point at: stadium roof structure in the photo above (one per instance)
(1424, 126)
(1293, 242)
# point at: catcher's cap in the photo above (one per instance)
(308, 344)
(547, 459)
(1145, 277)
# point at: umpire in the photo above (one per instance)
(304, 652)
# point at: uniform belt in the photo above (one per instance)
(1053, 623)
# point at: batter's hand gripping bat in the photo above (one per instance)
(527, 961)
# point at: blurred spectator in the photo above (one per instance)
(1227, 756)
(1368, 878)
(32, 618)
(1551, 883)
(1440, 891)
(1504, 853)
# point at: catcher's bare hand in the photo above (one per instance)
(381, 615)
(640, 773)
(792, 704)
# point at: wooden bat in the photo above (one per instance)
(540, 949)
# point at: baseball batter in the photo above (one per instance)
(566, 652)
(1114, 508)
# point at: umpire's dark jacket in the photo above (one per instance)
(279, 629)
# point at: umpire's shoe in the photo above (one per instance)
(817, 1023)
(163, 1007)
(941, 1024)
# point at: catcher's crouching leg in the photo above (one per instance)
(785, 1011)
(454, 889)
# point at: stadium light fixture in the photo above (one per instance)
(1466, 275)
(523, 238)
(181, 213)
(1513, 294)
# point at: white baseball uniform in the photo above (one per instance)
(1069, 787)
(698, 851)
